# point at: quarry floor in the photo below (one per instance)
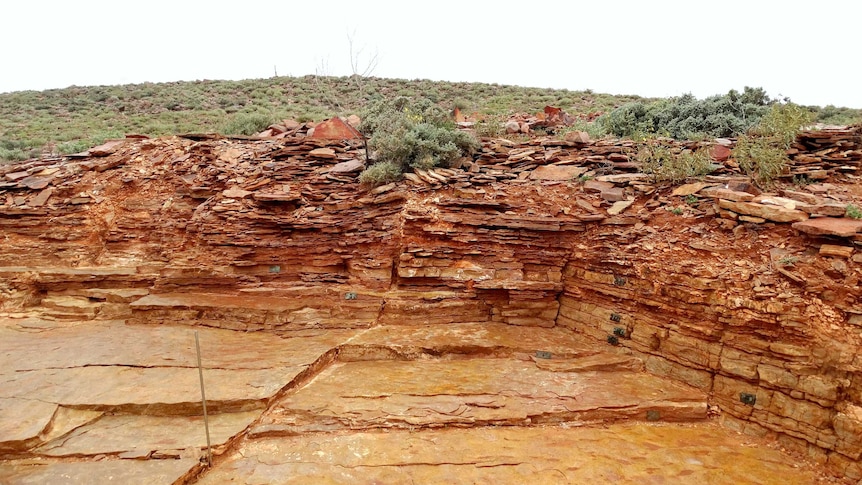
(98, 402)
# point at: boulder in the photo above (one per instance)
(614, 194)
(578, 137)
(719, 153)
(235, 193)
(773, 213)
(830, 226)
(726, 194)
(837, 251)
(597, 186)
(557, 172)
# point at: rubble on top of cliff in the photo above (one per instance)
(289, 164)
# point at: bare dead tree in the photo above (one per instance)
(361, 66)
(324, 84)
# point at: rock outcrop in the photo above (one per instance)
(711, 286)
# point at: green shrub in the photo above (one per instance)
(629, 120)
(595, 129)
(663, 164)
(12, 155)
(762, 154)
(760, 159)
(247, 124)
(853, 212)
(783, 122)
(74, 146)
(832, 115)
(17, 150)
(460, 103)
(414, 133)
(380, 173)
(686, 117)
(489, 127)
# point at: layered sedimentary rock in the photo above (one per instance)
(718, 313)
(278, 236)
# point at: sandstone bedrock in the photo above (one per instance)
(750, 299)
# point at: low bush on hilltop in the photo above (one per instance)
(762, 152)
(380, 173)
(834, 115)
(659, 160)
(686, 117)
(75, 118)
(247, 123)
(782, 123)
(409, 133)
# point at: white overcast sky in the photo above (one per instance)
(808, 51)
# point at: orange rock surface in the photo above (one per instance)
(503, 291)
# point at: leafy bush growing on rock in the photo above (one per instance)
(833, 115)
(489, 127)
(783, 122)
(14, 150)
(663, 164)
(380, 173)
(760, 159)
(762, 153)
(593, 128)
(686, 117)
(412, 133)
(247, 123)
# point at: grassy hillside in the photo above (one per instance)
(76, 118)
(73, 119)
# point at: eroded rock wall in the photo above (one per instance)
(273, 236)
(774, 357)
(267, 235)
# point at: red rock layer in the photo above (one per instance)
(277, 235)
(773, 355)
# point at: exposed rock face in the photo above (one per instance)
(831, 227)
(761, 356)
(509, 455)
(277, 236)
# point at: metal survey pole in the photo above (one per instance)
(204, 401)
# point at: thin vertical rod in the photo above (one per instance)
(204, 401)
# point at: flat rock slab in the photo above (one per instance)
(210, 300)
(597, 362)
(85, 273)
(356, 395)
(556, 172)
(127, 472)
(466, 338)
(622, 453)
(768, 212)
(30, 344)
(296, 310)
(166, 390)
(26, 420)
(145, 434)
(115, 367)
(726, 194)
(830, 226)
